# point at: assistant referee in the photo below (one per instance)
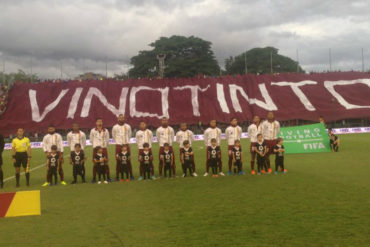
(21, 153)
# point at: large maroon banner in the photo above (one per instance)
(291, 96)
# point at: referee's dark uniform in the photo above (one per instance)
(20, 146)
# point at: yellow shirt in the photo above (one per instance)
(21, 145)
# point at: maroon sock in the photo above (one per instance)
(61, 174)
(230, 162)
(94, 172)
(130, 169)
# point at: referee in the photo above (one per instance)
(2, 144)
(21, 153)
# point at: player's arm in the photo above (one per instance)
(83, 140)
(70, 160)
(61, 158)
(178, 137)
(172, 159)
(219, 137)
(129, 134)
(44, 146)
(91, 136)
(205, 137)
(219, 154)
(266, 151)
(337, 141)
(182, 157)
(69, 140)
(13, 151)
(234, 159)
(191, 136)
(277, 129)
(106, 139)
(29, 151)
(172, 135)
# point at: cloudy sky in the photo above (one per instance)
(81, 35)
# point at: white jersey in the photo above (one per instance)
(182, 135)
(99, 138)
(253, 131)
(74, 138)
(121, 134)
(165, 135)
(211, 133)
(270, 130)
(144, 136)
(50, 140)
(233, 134)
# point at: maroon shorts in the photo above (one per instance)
(161, 150)
(105, 152)
(270, 144)
(118, 148)
(142, 150)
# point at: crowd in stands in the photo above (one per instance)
(3, 98)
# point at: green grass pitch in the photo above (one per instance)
(323, 200)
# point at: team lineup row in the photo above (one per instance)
(263, 137)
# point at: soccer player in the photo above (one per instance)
(144, 135)
(214, 156)
(334, 142)
(184, 134)
(100, 161)
(279, 158)
(270, 129)
(124, 160)
(53, 138)
(237, 158)
(261, 150)
(2, 144)
(253, 130)
(212, 133)
(52, 164)
(165, 134)
(167, 159)
(187, 159)
(146, 161)
(21, 153)
(76, 136)
(99, 137)
(233, 133)
(77, 159)
(121, 134)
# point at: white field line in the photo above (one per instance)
(305, 140)
(32, 169)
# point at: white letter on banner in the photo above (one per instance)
(94, 91)
(330, 87)
(73, 105)
(194, 96)
(164, 100)
(301, 96)
(221, 98)
(267, 105)
(35, 107)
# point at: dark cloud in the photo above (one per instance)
(73, 33)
